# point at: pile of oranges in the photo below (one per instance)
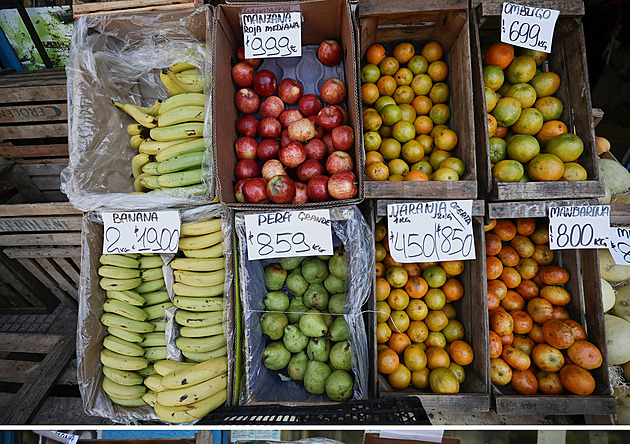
(420, 341)
(406, 115)
(534, 344)
(528, 141)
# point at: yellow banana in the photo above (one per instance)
(147, 371)
(200, 278)
(182, 114)
(122, 362)
(151, 262)
(154, 382)
(199, 228)
(124, 309)
(189, 76)
(136, 140)
(186, 99)
(159, 325)
(138, 402)
(196, 87)
(181, 66)
(191, 412)
(193, 319)
(171, 87)
(134, 129)
(138, 114)
(151, 274)
(196, 373)
(180, 147)
(200, 242)
(176, 132)
(122, 347)
(118, 260)
(166, 366)
(198, 304)
(119, 284)
(128, 336)
(156, 297)
(200, 345)
(120, 391)
(212, 264)
(191, 394)
(149, 182)
(150, 397)
(154, 339)
(150, 286)
(114, 272)
(129, 296)
(180, 178)
(138, 161)
(213, 251)
(150, 168)
(153, 147)
(201, 357)
(114, 320)
(153, 354)
(122, 377)
(198, 292)
(157, 311)
(137, 185)
(200, 332)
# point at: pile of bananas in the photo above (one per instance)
(169, 135)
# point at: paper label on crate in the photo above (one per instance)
(579, 226)
(528, 27)
(620, 245)
(141, 232)
(430, 231)
(288, 234)
(268, 35)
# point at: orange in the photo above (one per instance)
(396, 276)
(372, 120)
(507, 111)
(501, 132)
(432, 51)
(403, 52)
(529, 122)
(417, 310)
(585, 354)
(496, 347)
(398, 321)
(510, 277)
(379, 269)
(415, 358)
(416, 175)
(505, 229)
(416, 287)
(387, 361)
(498, 288)
(549, 130)
(524, 382)
(494, 267)
(389, 66)
(422, 105)
(435, 339)
(490, 98)
(436, 320)
(493, 242)
(461, 352)
(499, 54)
(520, 70)
(445, 140)
(492, 125)
(523, 322)
(372, 141)
(404, 94)
(400, 379)
(386, 85)
(383, 333)
(453, 331)
(382, 289)
(421, 84)
(545, 84)
(418, 64)
(437, 357)
(377, 170)
(435, 299)
(413, 270)
(439, 93)
(551, 108)
(369, 93)
(577, 380)
(557, 334)
(403, 76)
(568, 147)
(440, 113)
(379, 232)
(437, 157)
(417, 331)
(435, 276)
(420, 379)
(373, 156)
(399, 342)
(423, 125)
(538, 56)
(449, 311)
(398, 299)
(545, 167)
(513, 301)
(375, 54)
(493, 77)
(524, 93)
(445, 173)
(438, 71)
(523, 148)
(398, 167)
(573, 172)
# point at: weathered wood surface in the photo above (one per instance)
(33, 113)
(43, 131)
(113, 6)
(38, 209)
(406, 7)
(478, 207)
(531, 208)
(10, 151)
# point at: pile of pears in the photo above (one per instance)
(304, 320)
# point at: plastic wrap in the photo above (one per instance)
(268, 386)
(119, 56)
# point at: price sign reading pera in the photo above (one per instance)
(430, 231)
(288, 234)
(527, 27)
(579, 226)
(141, 232)
(272, 34)
(620, 245)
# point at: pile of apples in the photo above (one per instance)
(293, 147)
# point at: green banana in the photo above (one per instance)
(131, 255)
(212, 264)
(134, 129)
(187, 192)
(120, 391)
(128, 336)
(150, 168)
(198, 292)
(150, 397)
(114, 320)
(200, 332)
(198, 410)
(153, 147)
(200, 278)
(179, 163)
(155, 339)
(196, 87)
(138, 402)
(122, 377)
(176, 132)
(200, 345)
(153, 354)
(151, 262)
(166, 366)
(129, 296)
(195, 319)
(180, 178)
(180, 147)
(200, 242)
(191, 394)
(151, 274)
(136, 140)
(138, 113)
(158, 310)
(156, 297)
(181, 66)
(159, 325)
(122, 362)
(124, 309)
(201, 357)
(182, 114)
(171, 87)
(119, 284)
(149, 182)
(122, 347)
(118, 260)
(196, 373)
(114, 272)
(154, 382)
(186, 99)
(150, 286)
(137, 163)
(199, 228)
(213, 251)
(137, 185)
(147, 371)
(189, 76)
(198, 304)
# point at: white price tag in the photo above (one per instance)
(527, 27)
(430, 231)
(272, 34)
(579, 226)
(141, 232)
(620, 245)
(288, 234)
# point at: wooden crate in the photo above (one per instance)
(585, 307)
(568, 60)
(418, 22)
(472, 312)
(100, 7)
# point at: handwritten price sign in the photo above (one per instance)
(527, 27)
(272, 34)
(288, 234)
(141, 232)
(620, 245)
(579, 226)
(430, 231)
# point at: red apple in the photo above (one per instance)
(240, 55)
(338, 162)
(272, 106)
(289, 115)
(301, 196)
(247, 125)
(269, 128)
(333, 91)
(315, 149)
(329, 52)
(342, 185)
(292, 155)
(265, 82)
(345, 114)
(317, 188)
(246, 147)
(301, 130)
(327, 139)
(238, 190)
(290, 91)
(272, 168)
(281, 189)
(310, 105)
(246, 168)
(330, 117)
(309, 169)
(243, 74)
(247, 101)
(255, 190)
(319, 132)
(284, 138)
(343, 138)
(268, 149)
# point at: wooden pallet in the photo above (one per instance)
(98, 7)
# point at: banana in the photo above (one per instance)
(149, 182)
(151, 262)
(191, 394)
(191, 412)
(201, 357)
(200, 242)
(198, 228)
(186, 99)
(120, 391)
(154, 383)
(155, 339)
(156, 297)
(196, 373)
(198, 304)
(171, 87)
(157, 311)
(138, 161)
(159, 325)
(136, 140)
(198, 292)
(213, 251)
(114, 320)
(150, 286)
(134, 129)
(128, 336)
(181, 115)
(180, 163)
(129, 296)
(137, 185)
(153, 354)
(181, 66)
(151, 274)
(180, 178)
(189, 76)
(200, 332)
(153, 147)
(150, 168)
(188, 192)
(200, 345)
(138, 402)
(180, 147)
(200, 278)
(150, 397)
(124, 309)
(166, 366)
(122, 377)
(196, 87)
(198, 264)
(122, 347)
(114, 272)
(118, 260)
(179, 131)
(138, 113)
(198, 319)
(130, 255)
(122, 362)
(119, 284)
(147, 371)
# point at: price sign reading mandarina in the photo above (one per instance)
(272, 34)
(620, 245)
(527, 27)
(430, 231)
(288, 234)
(141, 232)
(579, 226)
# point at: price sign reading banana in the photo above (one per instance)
(272, 34)
(579, 226)
(430, 231)
(141, 232)
(527, 27)
(288, 234)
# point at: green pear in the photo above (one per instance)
(318, 349)
(337, 265)
(312, 324)
(315, 377)
(334, 285)
(297, 366)
(296, 284)
(339, 386)
(324, 257)
(294, 340)
(273, 323)
(337, 303)
(296, 308)
(328, 320)
(276, 301)
(341, 356)
(338, 330)
(314, 270)
(291, 263)
(316, 297)
(276, 356)
(275, 276)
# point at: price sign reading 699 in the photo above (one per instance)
(430, 231)
(527, 27)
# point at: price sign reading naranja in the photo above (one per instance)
(141, 232)
(527, 27)
(288, 234)
(579, 226)
(272, 34)
(430, 231)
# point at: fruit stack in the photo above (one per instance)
(420, 341)
(169, 135)
(534, 344)
(291, 147)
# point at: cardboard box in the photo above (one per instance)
(374, 438)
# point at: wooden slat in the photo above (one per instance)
(34, 131)
(65, 410)
(12, 299)
(173, 7)
(44, 223)
(478, 206)
(9, 151)
(47, 182)
(48, 282)
(44, 169)
(38, 209)
(70, 253)
(13, 174)
(30, 93)
(85, 8)
(547, 190)
(33, 113)
(10, 240)
(462, 189)
(68, 269)
(523, 209)
(566, 7)
(15, 279)
(28, 343)
(60, 279)
(17, 371)
(368, 8)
